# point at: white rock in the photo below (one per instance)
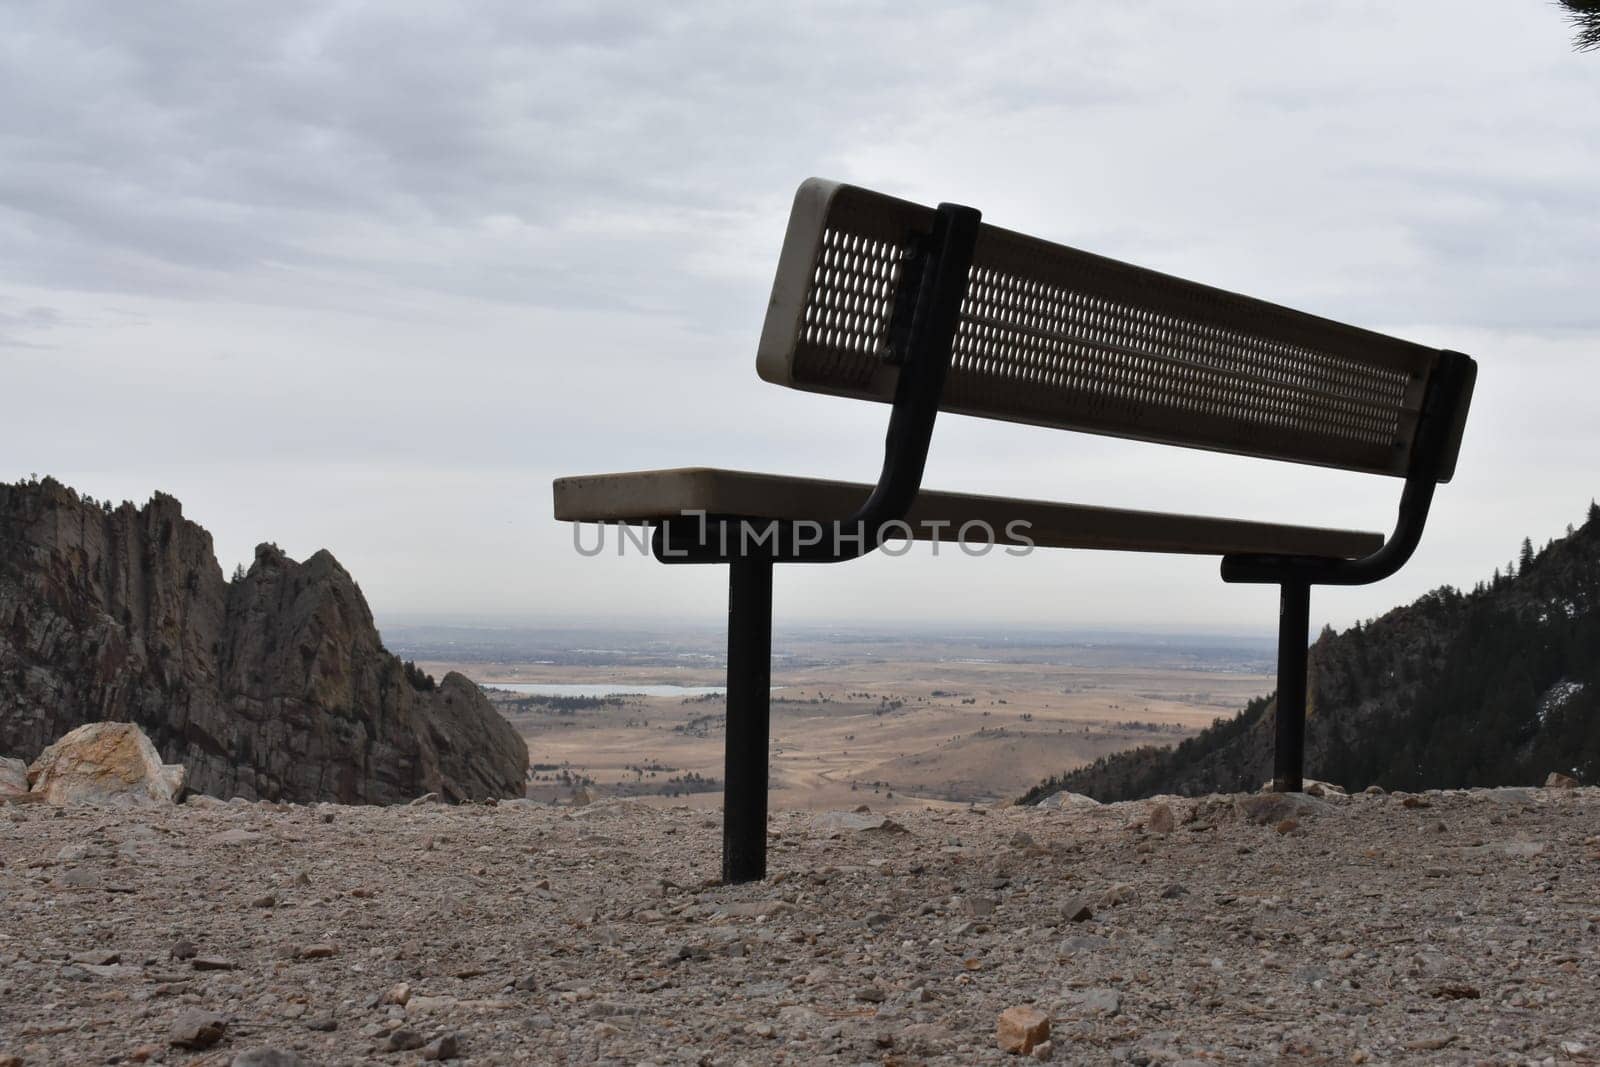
(1066, 801)
(420, 1005)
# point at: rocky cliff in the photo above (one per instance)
(274, 685)
(1495, 686)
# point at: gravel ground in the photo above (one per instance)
(1438, 928)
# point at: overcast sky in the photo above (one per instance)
(367, 276)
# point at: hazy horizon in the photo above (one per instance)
(995, 628)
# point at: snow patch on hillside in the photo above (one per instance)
(1556, 696)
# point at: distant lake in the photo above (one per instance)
(606, 690)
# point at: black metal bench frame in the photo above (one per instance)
(921, 341)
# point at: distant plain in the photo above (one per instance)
(858, 717)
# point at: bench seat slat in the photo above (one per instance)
(651, 496)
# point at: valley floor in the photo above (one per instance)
(860, 732)
(1444, 928)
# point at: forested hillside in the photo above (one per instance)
(1496, 686)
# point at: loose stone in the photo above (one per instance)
(196, 1029)
(1022, 1028)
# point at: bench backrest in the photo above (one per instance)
(1056, 337)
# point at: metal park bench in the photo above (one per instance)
(930, 310)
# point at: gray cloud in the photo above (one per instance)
(296, 261)
(24, 326)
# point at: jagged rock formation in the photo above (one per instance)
(275, 685)
(1497, 686)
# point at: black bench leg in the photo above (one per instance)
(744, 797)
(1294, 622)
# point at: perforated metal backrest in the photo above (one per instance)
(1056, 337)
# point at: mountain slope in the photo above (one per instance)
(1497, 686)
(274, 685)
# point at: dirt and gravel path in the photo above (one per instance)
(1443, 928)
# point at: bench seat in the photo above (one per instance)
(651, 496)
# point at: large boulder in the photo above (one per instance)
(107, 763)
(274, 685)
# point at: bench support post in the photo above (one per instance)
(1294, 623)
(744, 797)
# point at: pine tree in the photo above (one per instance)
(1585, 18)
(1527, 554)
